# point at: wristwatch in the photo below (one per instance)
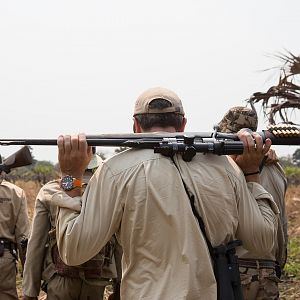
(69, 183)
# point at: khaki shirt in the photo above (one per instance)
(140, 195)
(39, 264)
(274, 181)
(14, 222)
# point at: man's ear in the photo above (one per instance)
(136, 126)
(184, 120)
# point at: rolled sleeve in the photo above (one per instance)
(258, 218)
(62, 200)
(83, 230)
(259, 193)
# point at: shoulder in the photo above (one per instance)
(12, 188)
(129, 160)
(273, 173)
(48, 190)
(221, 163)
(273, 170)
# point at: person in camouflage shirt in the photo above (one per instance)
(260, 275)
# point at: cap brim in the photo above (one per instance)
(95, 162)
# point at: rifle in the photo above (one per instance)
(186, 143)
(18, 159)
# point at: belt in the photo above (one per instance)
(89, 270)
(257, 263)
(7, 244)
(73, 273)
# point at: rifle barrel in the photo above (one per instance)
(280, 135)
(53, 142)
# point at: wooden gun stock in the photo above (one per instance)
(19, 159)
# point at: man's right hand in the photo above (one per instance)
(253, 155)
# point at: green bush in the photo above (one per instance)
(292, 267)
(292, 171)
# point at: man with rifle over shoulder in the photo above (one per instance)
(14, 224)
(150, 201)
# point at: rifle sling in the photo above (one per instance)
(227, 288)
(196, 214)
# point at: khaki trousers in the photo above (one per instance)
(66, 288)
(8, 289)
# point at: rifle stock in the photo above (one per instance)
(18, 159)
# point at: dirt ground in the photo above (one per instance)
(290, 285)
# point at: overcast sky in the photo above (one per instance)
(78, 66)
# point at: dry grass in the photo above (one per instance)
(290, 287)
(293, 210)
(31, 189)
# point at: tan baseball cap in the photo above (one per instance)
(143, 101)
(238, 117)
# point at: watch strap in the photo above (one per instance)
(77, 183)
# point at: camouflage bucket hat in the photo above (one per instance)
(238, 117)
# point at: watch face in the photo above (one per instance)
(67, 183)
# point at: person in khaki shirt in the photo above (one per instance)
(43, 265)
(139, 195)
(274, 180)
(260, 273)
(14, 231)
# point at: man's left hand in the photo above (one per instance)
(74, 154)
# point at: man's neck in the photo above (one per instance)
(161, 129)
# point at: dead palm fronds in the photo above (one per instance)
(285, 96)
(291, 62)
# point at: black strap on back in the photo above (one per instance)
(196, 214)
(225, 266)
